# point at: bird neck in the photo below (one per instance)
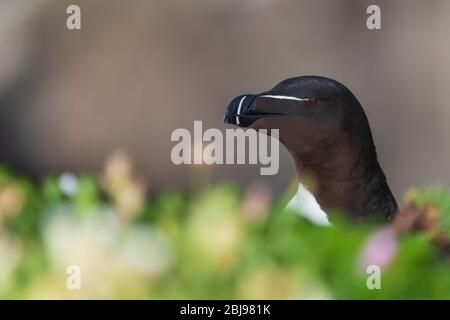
(349, 181)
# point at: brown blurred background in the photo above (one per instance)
(140, 69)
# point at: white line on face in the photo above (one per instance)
(239, 109)
(284, 97)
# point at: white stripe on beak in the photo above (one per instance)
(239, 109)
(284, 97)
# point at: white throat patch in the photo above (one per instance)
(307, 206)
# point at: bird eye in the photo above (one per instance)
(311, 102)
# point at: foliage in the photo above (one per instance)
(216, 243)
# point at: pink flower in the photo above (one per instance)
(257, 199)
(380, 249)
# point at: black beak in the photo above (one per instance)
(237, 111)
(243, 111)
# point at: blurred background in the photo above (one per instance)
(136, 72)
(104, 101)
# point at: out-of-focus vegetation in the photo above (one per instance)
(216, 243)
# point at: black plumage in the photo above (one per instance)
(326, 131)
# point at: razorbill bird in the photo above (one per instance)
(325, 129)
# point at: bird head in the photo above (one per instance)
(315, 117)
